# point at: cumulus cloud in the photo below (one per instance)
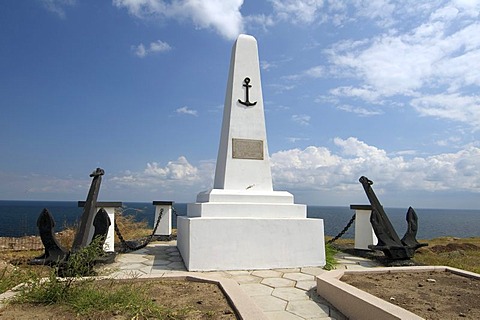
(426, 60)
(155, 47)
(223, 16)
(185, 110)
(177, 179)
(58, 6)
(318, 168)
(180, 169)
(327, 170)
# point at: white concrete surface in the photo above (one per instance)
(165, 225)
(364, 234)
(242, 223)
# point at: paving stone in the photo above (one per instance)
(256, 289)
(132, 266)
(246, 279)
(355, 258)
(314, 271)
(354, 267)
(238, 272)
(157, 272)
(290, 294)
(334, 314)
(281, 315)
(306, 285)
(267, 274)
(219, 274)
(297, 276)
(369, 264)
(176, 265)
(308, 309)
(161, 262)
(161, 257)
(278, 282)
(175, 259)
(287, 270)
(130, 258)
(269, 303)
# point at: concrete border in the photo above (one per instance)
(357, 304)
(241, 303)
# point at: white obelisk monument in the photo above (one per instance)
(242, 223)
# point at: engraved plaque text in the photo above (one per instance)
(247, 149)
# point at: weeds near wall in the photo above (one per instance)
(330, 261)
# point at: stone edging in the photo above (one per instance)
(243, 306)
(357, 304)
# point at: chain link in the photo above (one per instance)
(343, 231)
(174, 211)
(147, 240)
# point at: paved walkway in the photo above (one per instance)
(282, 294)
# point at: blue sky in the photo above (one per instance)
(385, 89)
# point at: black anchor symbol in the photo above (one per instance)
(247, 86)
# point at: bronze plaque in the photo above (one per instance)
(247, 149)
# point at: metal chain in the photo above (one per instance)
(146, 242)
(174, 211)
(343, 231)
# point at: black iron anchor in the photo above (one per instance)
(388, 240)
(247, 86)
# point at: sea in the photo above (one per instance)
(18, 218)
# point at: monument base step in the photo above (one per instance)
(246, 210)
(250, 243)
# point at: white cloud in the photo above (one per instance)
(454, 107)
(426, 61)
(180, 169)
(221, 15)
(301, 119)
(295, 139)
(305, 11)
(58, 6)
(178, 180)
(185, 110)
(317, 168)
(364, 93)
(154, 47)
(358, 110)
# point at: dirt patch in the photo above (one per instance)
(194, 300)
(431, 295)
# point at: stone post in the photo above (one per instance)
(364, 234)
(165, 226)
(109, 207)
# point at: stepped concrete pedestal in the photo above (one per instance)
(242, 223)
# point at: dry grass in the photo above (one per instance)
(462, 253)
(14, 267)
(130, 228)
